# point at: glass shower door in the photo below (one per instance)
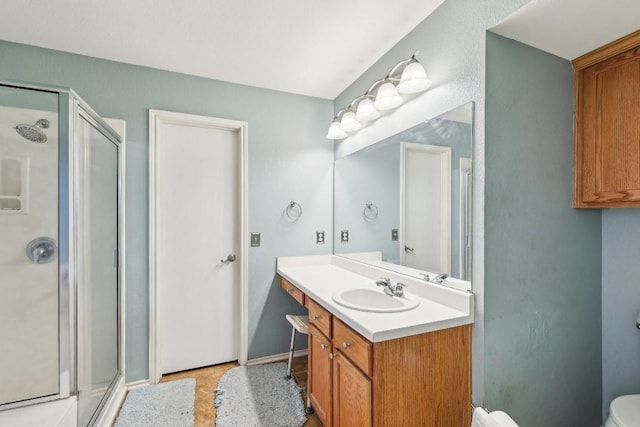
(98, 285)
(29, 271)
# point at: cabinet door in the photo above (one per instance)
(320, 373)
(351, 394)
(608, 132)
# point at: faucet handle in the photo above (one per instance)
(383, 281)
(439, 278)
(398, 291)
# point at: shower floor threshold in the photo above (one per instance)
(59, 413)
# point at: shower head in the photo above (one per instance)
(34, 132)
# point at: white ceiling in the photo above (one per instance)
(315, 48)
(571, 28)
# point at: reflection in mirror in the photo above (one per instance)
(404, 203)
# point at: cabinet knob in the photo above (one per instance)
(331, 355)
(324, 346)
(316, 317)
(346, 345)
(290, 290)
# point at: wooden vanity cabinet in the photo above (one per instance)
(607, 126)
(351, 394)
(293, 291)
(320, 375)
(421, 380)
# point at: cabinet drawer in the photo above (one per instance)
(295, 293)
(319, 317)
(352, 345)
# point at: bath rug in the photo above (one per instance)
(169, 404)
(259, 396)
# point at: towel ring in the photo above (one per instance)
(370, 211)
(293, 211)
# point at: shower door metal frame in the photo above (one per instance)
(70, 106)
(82, 109)
(65, 277)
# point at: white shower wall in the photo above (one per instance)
(29, 360)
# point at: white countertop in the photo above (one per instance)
(321, 276)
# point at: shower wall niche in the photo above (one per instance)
(14, 187)
(60, 246)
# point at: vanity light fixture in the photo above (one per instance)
(335, 130)
(414, 79)
(349, 122)
(406, 78)
(366, 111)
(387, 97)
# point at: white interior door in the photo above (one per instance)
(426, 207)
(197, 227)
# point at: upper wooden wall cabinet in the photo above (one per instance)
(607, 135)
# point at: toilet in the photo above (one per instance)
(624, 411)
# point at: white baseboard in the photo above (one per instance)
(137, 384)
(276, 357)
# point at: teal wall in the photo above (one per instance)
(542, 257)
(451, 43)
(537, 261)
(289, 159)
(620, 304)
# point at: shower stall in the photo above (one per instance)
(60, 254)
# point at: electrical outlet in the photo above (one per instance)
(255, 240)
(394, 235)
(320, 237)
(344, 236)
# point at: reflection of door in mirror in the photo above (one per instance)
(373, 175)
(465, 218)
(426, 207)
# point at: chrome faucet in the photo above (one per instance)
(439, 278)
(424, 276)
(389, 289)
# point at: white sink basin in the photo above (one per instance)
(373, 300)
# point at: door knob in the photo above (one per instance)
(230, 258)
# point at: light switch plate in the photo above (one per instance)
(394, 235)
(320, 237)
(344, 236)
(255, 240)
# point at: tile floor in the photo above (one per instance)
(207, 381)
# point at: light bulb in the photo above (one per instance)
(335, 132)
(414, 79)
(366, 111)
(349, 122)
(387, 97)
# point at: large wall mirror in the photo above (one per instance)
(404, 203)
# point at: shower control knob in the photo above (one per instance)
(42, 250)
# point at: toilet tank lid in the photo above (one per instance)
(625, 410)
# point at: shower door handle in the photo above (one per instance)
(230, 258)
